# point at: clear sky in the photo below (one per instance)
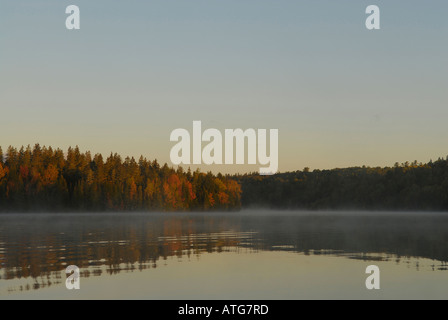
(339, 94)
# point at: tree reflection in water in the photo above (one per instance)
(39, 247)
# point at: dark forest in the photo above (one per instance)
(407, 186)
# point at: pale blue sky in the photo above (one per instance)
(339, 94)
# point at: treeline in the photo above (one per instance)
(44, 179)
(407, 186)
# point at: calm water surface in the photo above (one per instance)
(244, 255)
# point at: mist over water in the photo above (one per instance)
(279, 252)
